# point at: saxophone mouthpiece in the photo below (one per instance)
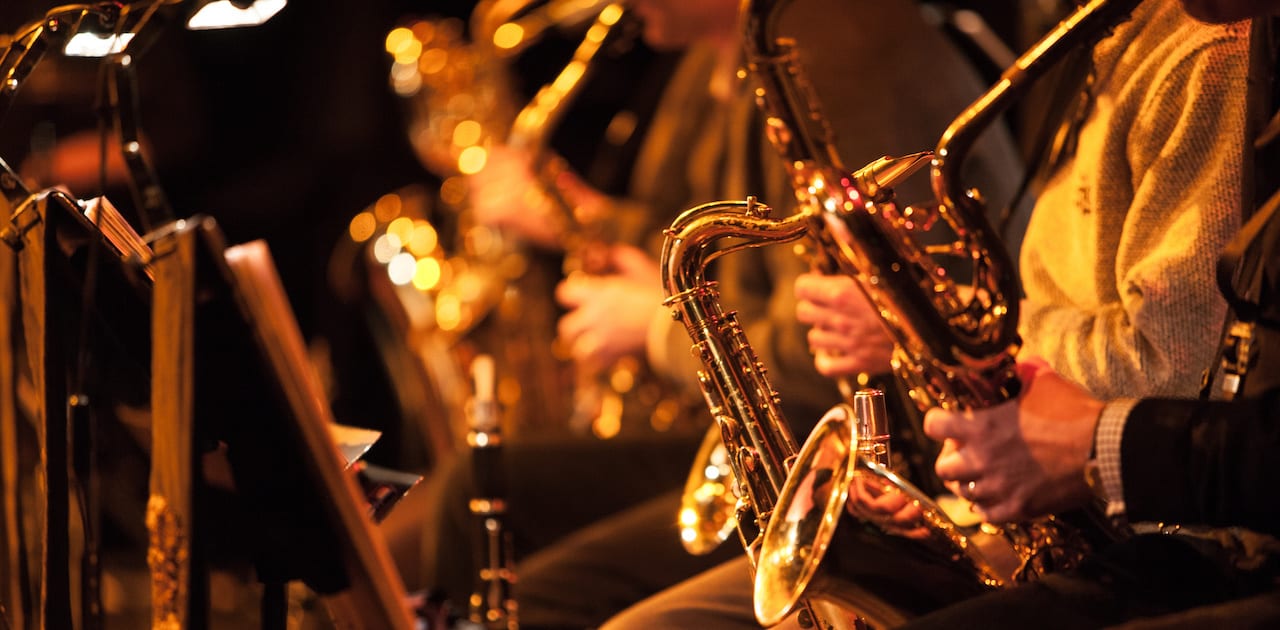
(877, 178)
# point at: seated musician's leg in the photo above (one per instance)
(552, 488)
(719, 598)
(588, 576)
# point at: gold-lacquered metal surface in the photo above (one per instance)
(830, 483)
(955, 343)
(709, 505)
(752, 223)
(809, 507)
(476, 288)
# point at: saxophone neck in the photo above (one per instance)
(515, 34)
(733, 379)
(709, 231)
(1086, 25)
(535, 121)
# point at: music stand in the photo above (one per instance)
(310, 520)
(54, 241)
(197, 282)
(10, 557)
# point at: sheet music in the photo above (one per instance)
(353, 442)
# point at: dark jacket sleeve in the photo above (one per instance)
(1204, 462)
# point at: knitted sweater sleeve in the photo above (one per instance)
(1165, 210)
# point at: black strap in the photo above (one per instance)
(1262, 119)
(1239, 273)
(1240, 266)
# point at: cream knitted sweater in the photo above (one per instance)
(1118, 258)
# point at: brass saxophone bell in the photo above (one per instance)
(842, 472)
(708, 507)
(817, 486)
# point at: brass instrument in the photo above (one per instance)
(756, 439)
(955, 344)
(457, 288)
(706, 516)
(514, 24)
(954, 349)
(456, 80)
(597, 399)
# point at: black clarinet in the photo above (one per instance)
(492, 604)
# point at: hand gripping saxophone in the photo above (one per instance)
(496, 291)
(955, 345)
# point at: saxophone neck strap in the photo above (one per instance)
(1242, 265)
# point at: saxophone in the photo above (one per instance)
(955, 346)
(753, 433)
(456, 288)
